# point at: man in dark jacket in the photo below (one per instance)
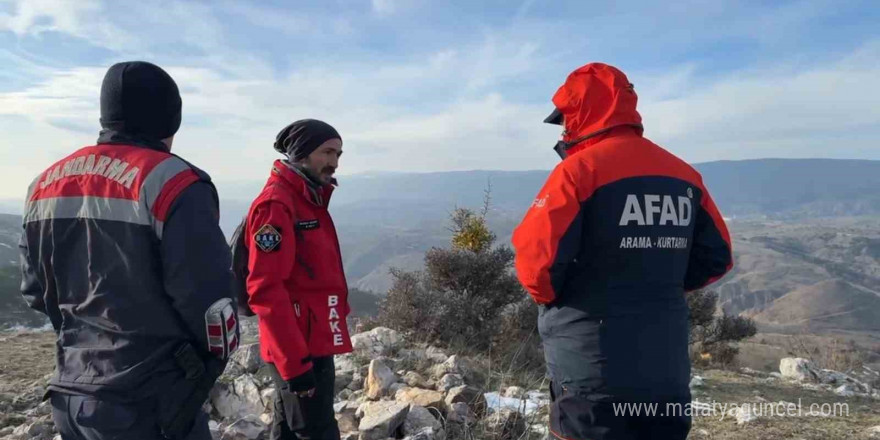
(619, 233)
(122, 250)
(296, 283)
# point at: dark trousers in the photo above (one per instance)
(590, 387)
(576, 417)
(316, 411)
(89, 418)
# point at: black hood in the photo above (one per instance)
(140, 100)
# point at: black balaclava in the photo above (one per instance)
(140, 100)
(299, 139)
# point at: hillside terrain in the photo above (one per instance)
(806, 234)
(391, 387)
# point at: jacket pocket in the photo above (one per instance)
(105, 416)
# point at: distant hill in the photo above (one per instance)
(827, 305)
(14, 312)
(794, 188)
(791, 226)
(10, 231)
(774, 258)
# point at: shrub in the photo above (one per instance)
(711, 336)
(468, 299)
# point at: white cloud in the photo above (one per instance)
(76, 18)
(448, 109)
(137, 27)
(744, 114)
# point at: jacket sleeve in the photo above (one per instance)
(31, 289)
(30, 285)
(196, 269)
(548, 240)
(711, 253)
(269, 269)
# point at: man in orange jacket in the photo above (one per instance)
(296, 284)
(621, 230)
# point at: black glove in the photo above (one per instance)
(302, 383)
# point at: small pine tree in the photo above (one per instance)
(466, 295)
(711, 336)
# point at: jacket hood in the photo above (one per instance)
(594, 99)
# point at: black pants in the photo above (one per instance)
(88, 418)
(317, 411)
(590, 386)
(577, 417)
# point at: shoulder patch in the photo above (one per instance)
(267, 238)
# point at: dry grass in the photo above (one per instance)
(25, 361)
(27, 356)
(733, 388)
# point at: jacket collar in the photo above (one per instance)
(113, 137)
(318, 195)
(613, 132)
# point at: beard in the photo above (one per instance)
(323, 176)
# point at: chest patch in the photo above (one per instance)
(307, 225)
(267, 238)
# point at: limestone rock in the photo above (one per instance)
(357, 381)
(423, 398)
(268, 396)
(347, 421)
(379, 379)
(449, 381)
(382, 419)
(248, 358)
(460, 414)
(246, 428)
(415, 380)
(380, 341)
(798, 369)
(420, 418)
(395, 387)
(436, 355)
(238, 399)
(343, 380)
(469, 396)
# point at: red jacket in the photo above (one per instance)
(620, 231)
(296, 283)
(619, 213)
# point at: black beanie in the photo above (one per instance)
(140, 99)
(299, 139)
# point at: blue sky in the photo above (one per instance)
(415, 85)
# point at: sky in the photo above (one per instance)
(419, 86)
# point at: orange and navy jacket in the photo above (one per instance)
(621, 224)
(296, 284)
(122, 249)
(617, 235)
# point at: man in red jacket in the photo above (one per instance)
(296, 284)
(617, 235)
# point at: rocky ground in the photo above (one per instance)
(391, 389)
